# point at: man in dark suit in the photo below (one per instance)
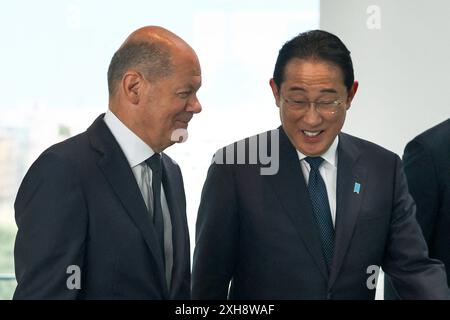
(102, 215)
(427, 168)
(336, 209)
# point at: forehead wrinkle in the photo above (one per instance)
(313, 86)
(305, 74)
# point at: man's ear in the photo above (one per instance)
(351, 93)
(132, 83)
(275, 91)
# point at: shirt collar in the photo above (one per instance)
(136, 151)
(329, 156)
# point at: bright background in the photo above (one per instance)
(55, 54)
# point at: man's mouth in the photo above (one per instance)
(184, 119)
(312, 134)
(183, 123)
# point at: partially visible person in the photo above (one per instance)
(102, 215)
(427, 167)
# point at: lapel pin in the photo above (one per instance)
(357, 188)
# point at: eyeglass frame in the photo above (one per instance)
(316, 104)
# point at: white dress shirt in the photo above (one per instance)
(328, 171)
(137, 151)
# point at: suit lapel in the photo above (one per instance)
(180, 237)
(290, 187)
(348, 201)
(117, 171)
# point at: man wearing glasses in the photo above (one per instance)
(337, 209)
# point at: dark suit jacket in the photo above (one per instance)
(427, 167)
(79, 204)
(258, 231)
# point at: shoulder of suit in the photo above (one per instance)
(72, 150)
(437, 137)
(60, 161)
(247, 145)
(267, 135)
(365, 146)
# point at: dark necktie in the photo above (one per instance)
(154, 162)
(321, 207)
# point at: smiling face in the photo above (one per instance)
(309, 131)
(168, 104)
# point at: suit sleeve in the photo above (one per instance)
(422, 181)
(51, 217)
(413, 274)
(185, 290)
(217, 235)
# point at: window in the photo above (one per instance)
(54, 62)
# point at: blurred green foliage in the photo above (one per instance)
(7, 237)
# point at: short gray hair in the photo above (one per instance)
(152, 59)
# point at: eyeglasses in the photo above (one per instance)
(322, 107)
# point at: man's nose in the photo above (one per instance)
(312, 117)
(194, 105)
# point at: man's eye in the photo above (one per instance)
(325, 103)
(184, 94)
(301, 103)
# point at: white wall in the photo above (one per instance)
(403, 67)
(401, 56)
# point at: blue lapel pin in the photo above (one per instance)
(357, 188)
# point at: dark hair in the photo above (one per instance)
(319, 45)
(152, 59)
